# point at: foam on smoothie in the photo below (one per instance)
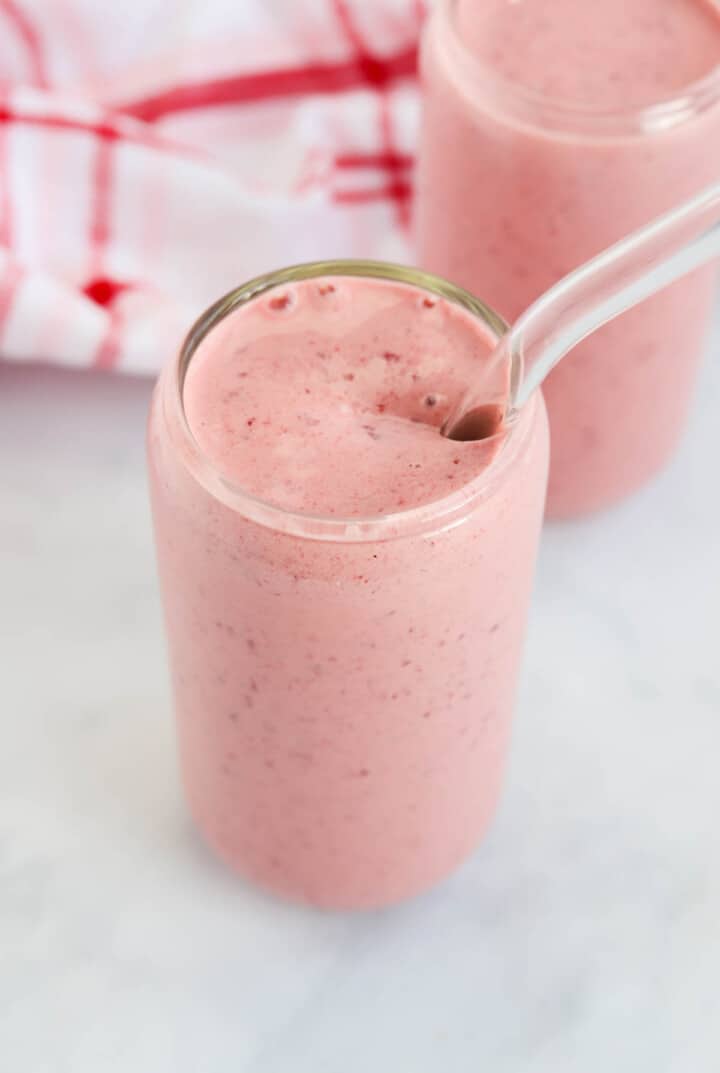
(602, 55)
(327, 396)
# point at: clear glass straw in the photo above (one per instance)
(637, 267)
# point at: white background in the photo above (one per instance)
(584, 935)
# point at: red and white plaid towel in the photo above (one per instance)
(155, 153)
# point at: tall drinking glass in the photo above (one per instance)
(343, 686)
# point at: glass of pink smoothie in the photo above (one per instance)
(345, 590)
(551, 130)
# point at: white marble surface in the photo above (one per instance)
(583, 937)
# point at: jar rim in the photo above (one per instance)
(542, 110)
(436, 515)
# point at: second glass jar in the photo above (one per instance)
(515, 190)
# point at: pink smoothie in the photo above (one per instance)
(343, 682)
(550, 132)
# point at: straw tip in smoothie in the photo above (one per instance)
(481, 423)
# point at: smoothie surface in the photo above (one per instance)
(327, 396)
(614, 54)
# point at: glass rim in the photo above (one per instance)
(542, 110)
(437, 514)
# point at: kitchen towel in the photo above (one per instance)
(156, 153)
